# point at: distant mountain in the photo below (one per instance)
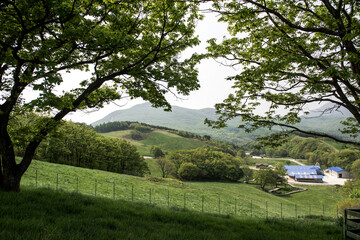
(192, 120)
(326, 118)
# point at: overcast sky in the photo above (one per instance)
(214, 88)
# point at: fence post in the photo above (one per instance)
(95, 187)
(132, 192)
(219, 204)
(57, 181)
(323, 210)
(251, 208)
(150, 195)
(295, 211)
(168, 200)
(77, 184)
(202, 204)
(281, 210)
(235, 205)
(184, 201)
(114, 189)
(266, 210)
(310, 210)
(36, 176)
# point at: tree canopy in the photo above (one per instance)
(130, 48)
(291, 53)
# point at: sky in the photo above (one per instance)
(214, 87)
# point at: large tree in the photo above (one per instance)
(290, 53)
(131, 48)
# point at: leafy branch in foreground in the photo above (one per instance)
(291, 54)
(131, 48)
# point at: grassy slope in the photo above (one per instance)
(165, 140)
(248, 198)
(46, 214)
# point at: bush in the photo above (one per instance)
(349, 204)
(188, 171)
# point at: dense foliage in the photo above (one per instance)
(290, 54)
(129, 49)
(315, 151)
(79, 145)
(206, 164)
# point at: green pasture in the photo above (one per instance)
(163, 139)
(233, 199)
(56, 215)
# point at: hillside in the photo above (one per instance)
(161, 138)
(46, 214)
(193, 121)
(199, 196)
(149, 209)
(182, 119)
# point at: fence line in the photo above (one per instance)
(184, 200)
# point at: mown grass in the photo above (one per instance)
(163, 139)
(208, 197)
(49, 214)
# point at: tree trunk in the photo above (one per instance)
(10, 171)
(11, 182)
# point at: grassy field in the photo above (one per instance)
(233, 199)
(163, 139)
(48, 214)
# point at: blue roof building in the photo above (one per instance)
(305, 173)
(309, 178)
(293, 170)
(339, 172)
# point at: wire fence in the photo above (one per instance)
(186, 199)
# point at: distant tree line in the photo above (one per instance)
(315, 151)
(139, 131)
(128, 125)
(79, 145)
(206, 164)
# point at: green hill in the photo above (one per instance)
(182, 119)
(161, 138)
(46, 214)
(208, 197)
(149, 208)
(192, 120)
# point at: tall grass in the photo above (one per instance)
(49, 214)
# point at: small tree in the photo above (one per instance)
(265, 176)
(166, 167)
(248, 173)
(188, 171)
(157, 152)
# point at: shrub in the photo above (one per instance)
(188, 171)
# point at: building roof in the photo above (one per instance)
(301, 172)
(308, 176)
(293, 170)
(336, 169)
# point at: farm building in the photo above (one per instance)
(305, 173)
(309, 178)
(339, 172)
(293, 170)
